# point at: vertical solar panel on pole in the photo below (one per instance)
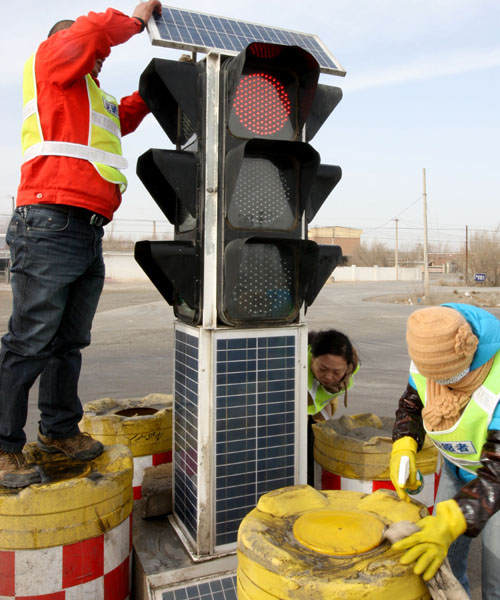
(256, 420)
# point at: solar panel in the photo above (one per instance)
(201, 32)
(186, 430)
(255, 424)
(216, 589)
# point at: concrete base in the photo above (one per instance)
(163, 567)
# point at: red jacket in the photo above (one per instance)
(62, 61)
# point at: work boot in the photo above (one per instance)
(80, 447)
(15, 472)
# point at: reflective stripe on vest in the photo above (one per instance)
(317, 392)
(463, 442)
(104, 136)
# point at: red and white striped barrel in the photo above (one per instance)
(144, 425)
(427, 495)
(353, 453)
(69, 537)
(92, 569)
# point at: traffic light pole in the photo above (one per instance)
(211, 191)
(240, 187)
(208, 434)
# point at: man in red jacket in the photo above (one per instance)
(71, 184)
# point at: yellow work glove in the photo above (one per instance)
(429, 546)
(405, 446)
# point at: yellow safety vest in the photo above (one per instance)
(104, 148)
(319, 395)
(463, 442)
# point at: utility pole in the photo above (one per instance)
(466, 255)
(396, 258)
(426, 260)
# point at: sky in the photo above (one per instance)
(422, 91)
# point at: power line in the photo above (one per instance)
(395, 216)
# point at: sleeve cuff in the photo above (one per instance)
(141, 21)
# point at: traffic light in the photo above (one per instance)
(271, 184)
(172, 91)
(266, 107)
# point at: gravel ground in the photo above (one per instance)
(483, 299)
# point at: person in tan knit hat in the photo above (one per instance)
(440, 342)
(453, 397)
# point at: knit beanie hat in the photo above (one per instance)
(440, 342)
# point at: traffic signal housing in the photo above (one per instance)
(271, 185)
(172, 90)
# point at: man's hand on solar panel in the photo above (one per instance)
(144, 10)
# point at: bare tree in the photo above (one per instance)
(410, 255)
(374, 253)
(484, 255)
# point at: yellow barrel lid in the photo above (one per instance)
(338, 533)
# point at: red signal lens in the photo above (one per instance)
(262, 104)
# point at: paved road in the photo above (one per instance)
(132, 339)
(131, 356)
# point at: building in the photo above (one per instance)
(347, 238)
(451, 262)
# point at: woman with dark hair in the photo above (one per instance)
(332, 362)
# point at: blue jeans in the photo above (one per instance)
(57, 276)
(458, 553)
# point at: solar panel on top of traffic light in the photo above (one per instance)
(201, 32)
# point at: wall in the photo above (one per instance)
(355, 273)
(122, 266)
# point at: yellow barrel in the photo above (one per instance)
(354, 452)
(300, 543)
(142, 424)
(72, 531)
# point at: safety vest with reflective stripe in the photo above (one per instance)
(317, 392)
(463, 442)
(103, 150)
